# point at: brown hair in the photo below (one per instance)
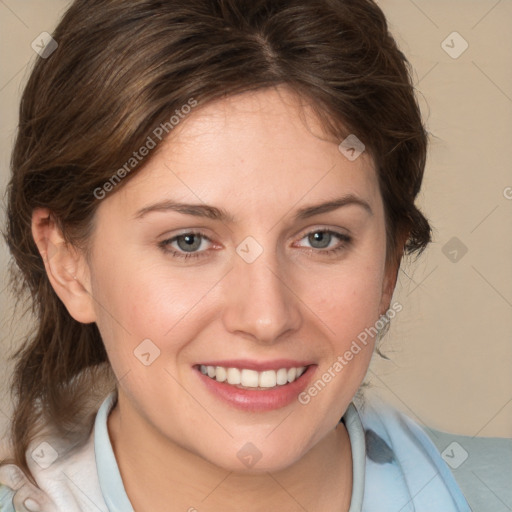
(124, 66)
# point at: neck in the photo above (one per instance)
(161, 475)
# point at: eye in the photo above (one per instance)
(321, 239)
(188, 245)
(192, 243)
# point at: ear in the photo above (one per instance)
(66, 267)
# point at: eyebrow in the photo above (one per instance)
(215, 213)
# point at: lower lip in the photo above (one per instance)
(258, 400)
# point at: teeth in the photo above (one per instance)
(221, 374)
(282, 376)
(233, 375)
(251, 378)
(268, 379)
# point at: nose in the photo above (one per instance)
(260, 300)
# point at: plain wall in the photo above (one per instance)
(450, 347)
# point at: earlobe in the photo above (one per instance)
(65, 266)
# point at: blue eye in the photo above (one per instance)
(321, 239)
(188, 244)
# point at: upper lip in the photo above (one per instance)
(259, 366)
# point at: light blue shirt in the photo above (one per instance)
(395, 468)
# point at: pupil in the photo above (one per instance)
(191, 242)
(322, 237)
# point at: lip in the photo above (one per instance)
(257, 400)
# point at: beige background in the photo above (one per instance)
(450, 347)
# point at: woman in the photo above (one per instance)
(209, 205)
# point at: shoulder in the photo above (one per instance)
(66, 480)
(403, 465)
(481, 466)
(15, 489)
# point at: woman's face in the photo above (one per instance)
(270, 281)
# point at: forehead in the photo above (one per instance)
(254, 150)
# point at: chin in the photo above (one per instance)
(252, 458)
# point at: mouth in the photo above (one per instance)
(246, 378)
(256, 387)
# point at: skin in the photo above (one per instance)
(260, 156)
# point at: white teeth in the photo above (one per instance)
(251, 378)
(233, 375)
(220, 374)
(282, 376)
(291, 374)
(268, 379)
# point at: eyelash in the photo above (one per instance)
(164, 245)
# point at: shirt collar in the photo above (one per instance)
(356, 435)
(109, 476)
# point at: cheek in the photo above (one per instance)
(137, 300)
(347, 299)
(346, 306)
(142, 297)
(163, 300)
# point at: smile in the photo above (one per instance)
(245, 378)
(256, 386)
